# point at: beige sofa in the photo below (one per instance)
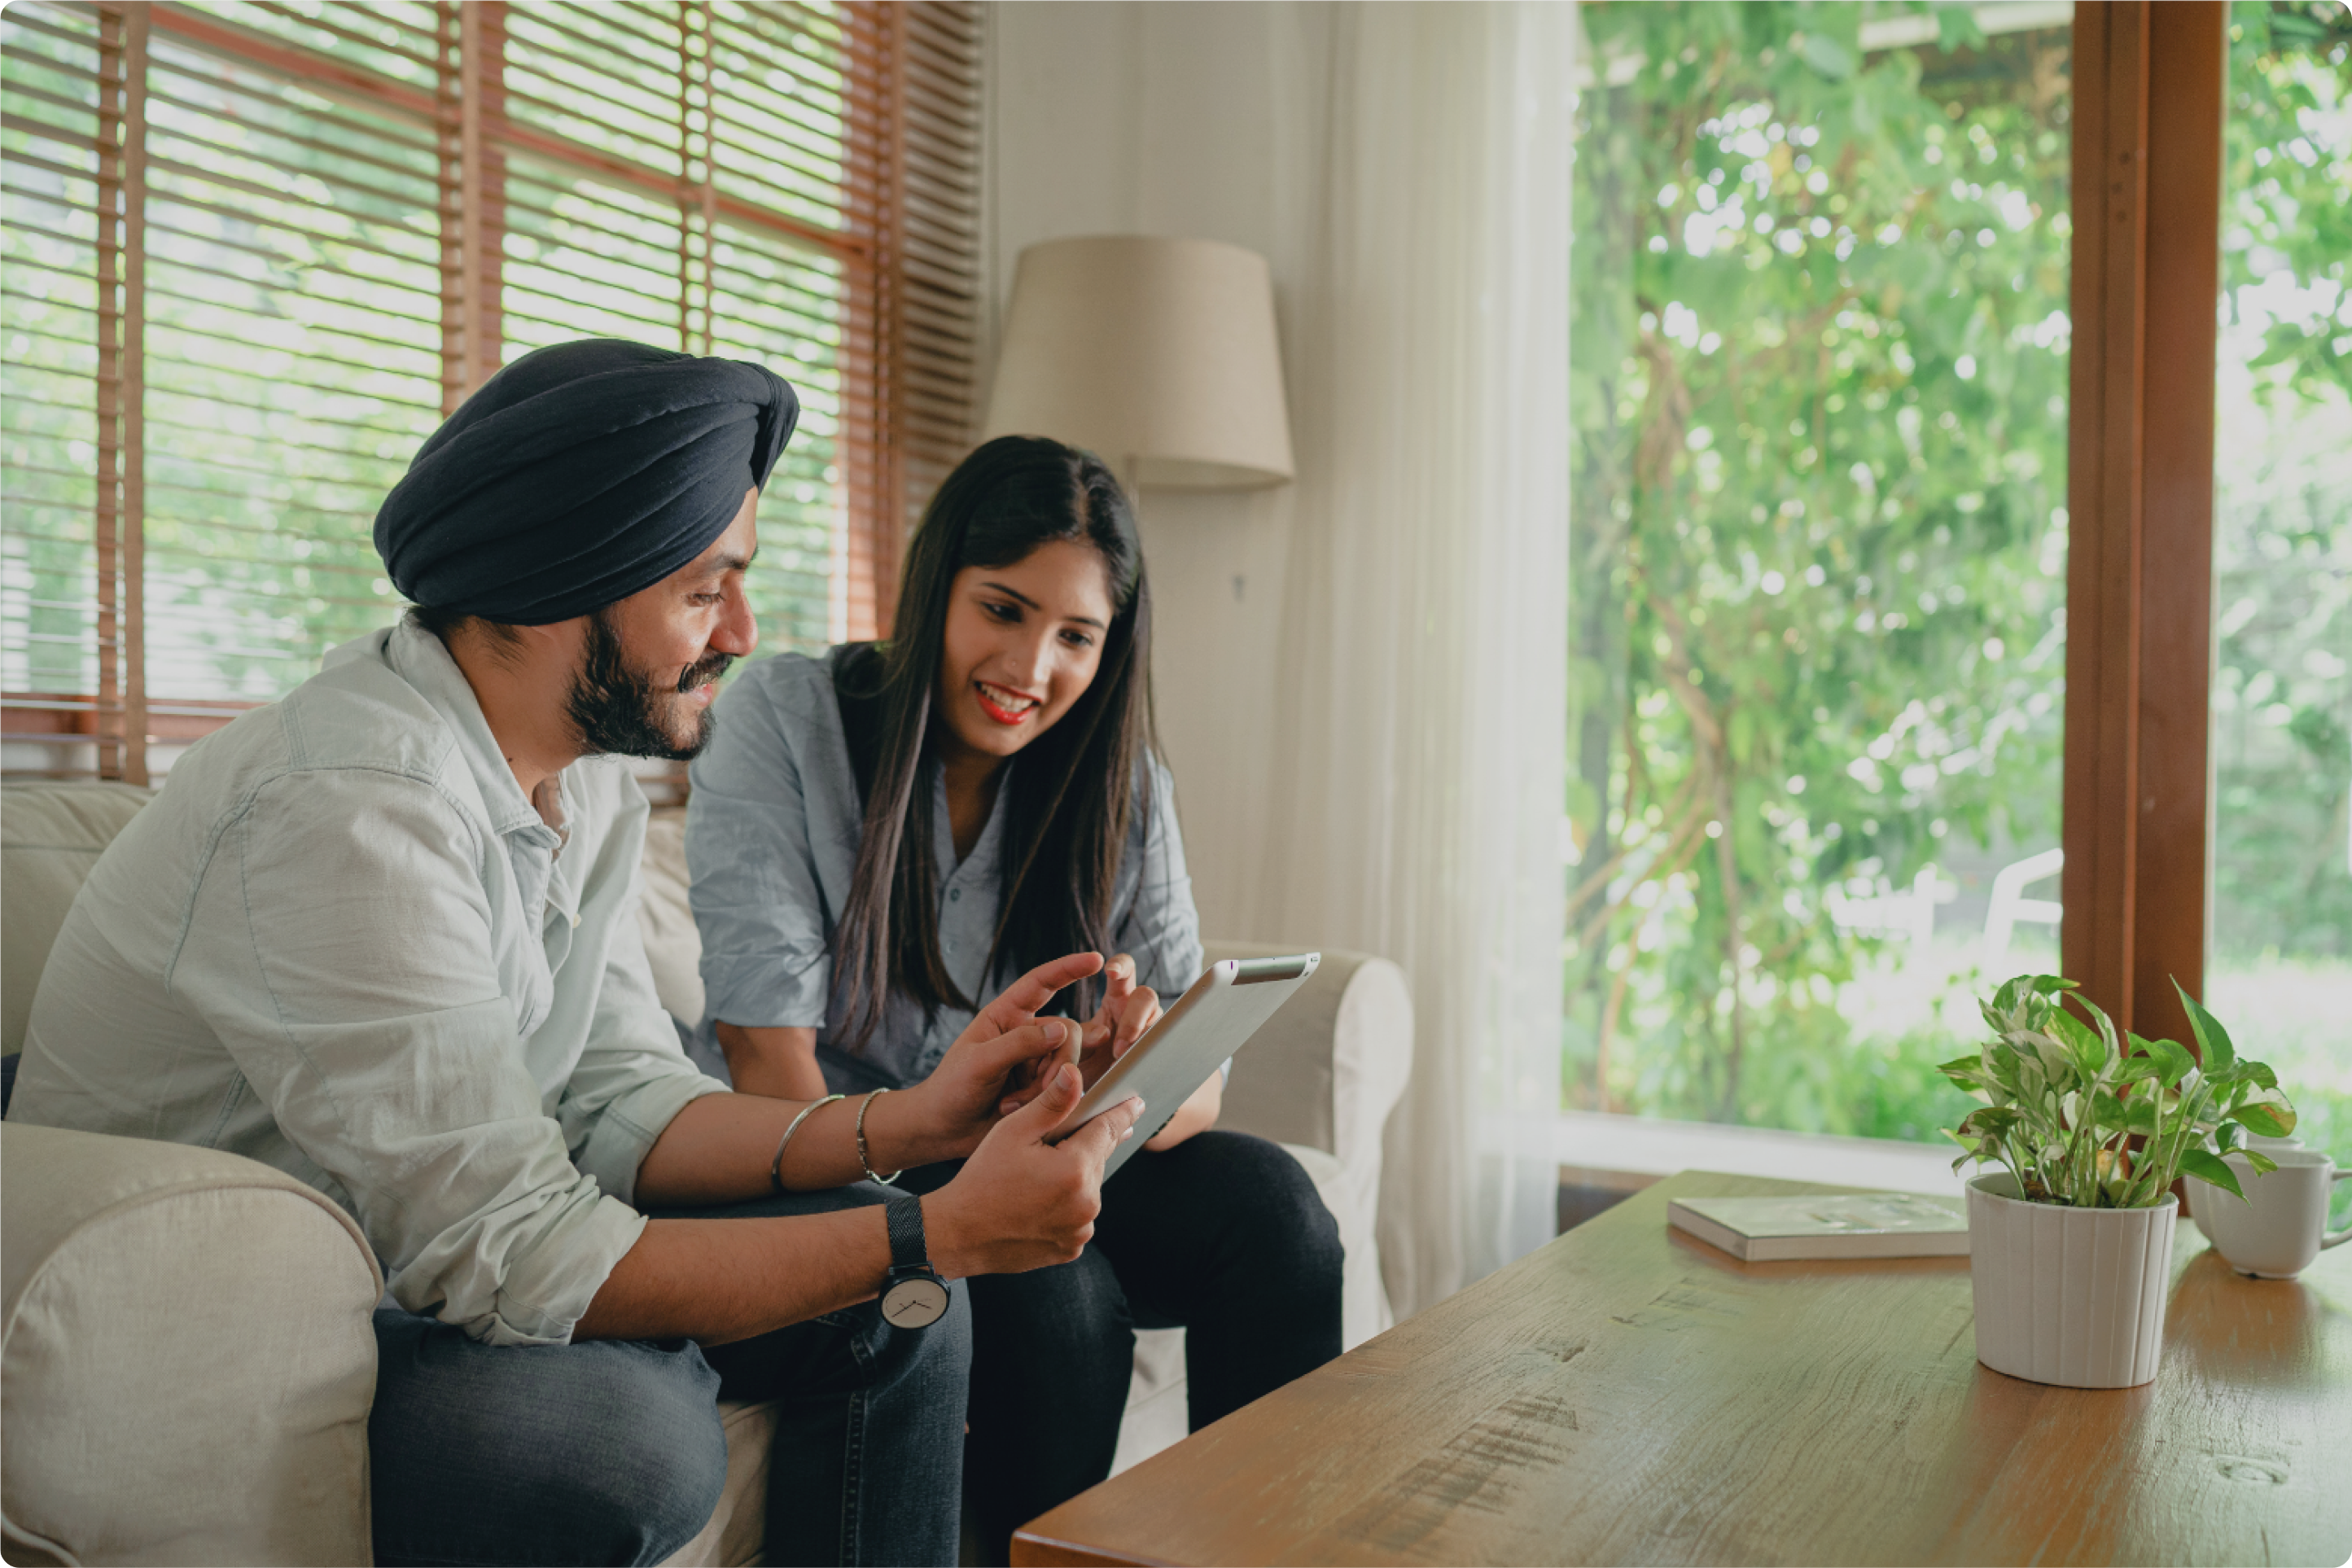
(186, 1358)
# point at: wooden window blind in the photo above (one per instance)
(254, 253)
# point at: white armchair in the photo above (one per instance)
(185, 1359)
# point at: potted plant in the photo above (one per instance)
(2070, 1243)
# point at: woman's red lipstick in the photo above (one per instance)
(999, 712)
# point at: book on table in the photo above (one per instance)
(1838, 1224)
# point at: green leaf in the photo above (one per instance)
(2172, 1060)
(2266, 1117)
(2263, 1163)
(2086, 1048)
(2212, 1041)
(2197, 1162)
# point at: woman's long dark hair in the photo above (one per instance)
(1070, 795)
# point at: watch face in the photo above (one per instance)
(916, 1302)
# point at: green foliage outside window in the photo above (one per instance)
(1820, 356)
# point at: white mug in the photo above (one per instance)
(2197, 1208)
(2282, 1223)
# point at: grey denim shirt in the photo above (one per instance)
(773, 826)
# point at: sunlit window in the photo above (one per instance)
(1819, 351)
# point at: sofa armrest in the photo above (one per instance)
(186, 1356)
(1324, 1073)
(1327, 1069)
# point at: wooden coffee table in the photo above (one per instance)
(1627, 1394)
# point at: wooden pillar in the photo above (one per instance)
(469, 99)
(2149, 83)
(119, 526)
(868, 557)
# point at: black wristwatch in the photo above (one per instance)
(916, 1296)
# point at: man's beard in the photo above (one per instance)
(620, 711)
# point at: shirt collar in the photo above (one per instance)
(417, 657)
(982, 862)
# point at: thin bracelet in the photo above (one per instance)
(863, 1162)
(776, 1165)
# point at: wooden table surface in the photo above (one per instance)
(1628, 1395)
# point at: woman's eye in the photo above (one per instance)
(1077, 639)
(1002, 612)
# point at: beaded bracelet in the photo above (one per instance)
(776, 1165)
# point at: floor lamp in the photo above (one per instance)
(1157, 356)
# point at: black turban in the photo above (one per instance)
(578, 475)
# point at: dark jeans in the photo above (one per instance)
(611, 1451)
(1223, 1235)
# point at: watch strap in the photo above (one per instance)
(903, 1218)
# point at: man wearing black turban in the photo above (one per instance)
(382, 936)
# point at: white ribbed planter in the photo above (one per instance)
(2069, 1296)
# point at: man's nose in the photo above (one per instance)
(737, 632)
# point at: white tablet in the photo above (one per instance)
(1214, 1019)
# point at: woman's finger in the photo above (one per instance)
(1142, 1012)
(1119, 975)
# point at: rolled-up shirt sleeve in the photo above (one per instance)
(754, 887)
(340, 946)
(632, 1077)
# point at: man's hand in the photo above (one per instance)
(1020, 1202)
(1005, 1046)
(1127, 1011)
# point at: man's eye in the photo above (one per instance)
(704, 598)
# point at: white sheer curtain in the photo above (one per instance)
(1422, 171)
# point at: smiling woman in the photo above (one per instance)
(880, 838)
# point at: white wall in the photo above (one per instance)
(1158, 119)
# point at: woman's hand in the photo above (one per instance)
(1128, 1009)
(1197, 1114)
(1006, 1046)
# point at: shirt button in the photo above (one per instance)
(954, 893)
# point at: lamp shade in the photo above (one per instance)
(1157, 354)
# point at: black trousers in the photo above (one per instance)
(1223, 1236)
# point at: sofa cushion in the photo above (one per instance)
(186, 1359)
(50, 836)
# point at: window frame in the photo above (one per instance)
(2150, 85)
(909, 251)
(2150, 82)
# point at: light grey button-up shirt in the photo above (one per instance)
(772, 832)
(343, 943)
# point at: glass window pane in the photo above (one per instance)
(1820, 355)
(2279, 969)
